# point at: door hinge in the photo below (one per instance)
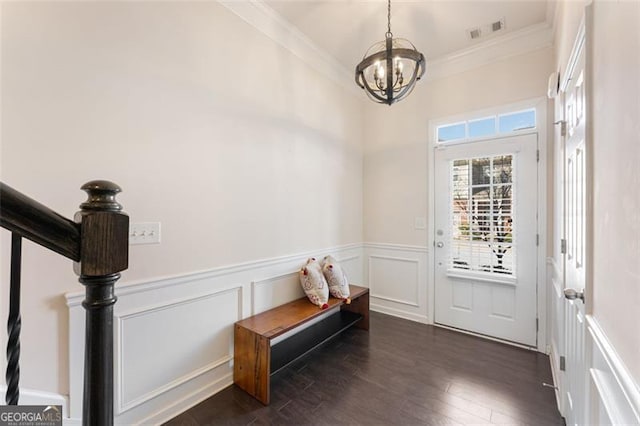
(563, 363)
(537, 325)
(563, 246)
(537, 240)
(538, 155)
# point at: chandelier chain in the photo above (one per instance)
(388, 16)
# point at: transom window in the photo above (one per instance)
(482, 219)
(494, 125)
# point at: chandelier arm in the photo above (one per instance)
(409, 87)
(371, 91)
(373, 95)
(395, 83)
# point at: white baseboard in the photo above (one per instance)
(188, 401)
(555, 373)
(399, 313)
(36, 397)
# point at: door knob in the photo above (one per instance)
(440, 244)
(572, 294)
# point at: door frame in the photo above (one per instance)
(540, 104)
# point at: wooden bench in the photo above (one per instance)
(256, 358)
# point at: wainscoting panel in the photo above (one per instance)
(173, 338)
(614, 397)
(352, 267)
(275, 291)
(196, 344)
(397, 279)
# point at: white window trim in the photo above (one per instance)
(532, 104)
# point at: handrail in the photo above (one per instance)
(98, 243)
(38, 223)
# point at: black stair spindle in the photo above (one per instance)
(14, 323)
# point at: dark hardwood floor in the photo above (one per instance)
(398, 373)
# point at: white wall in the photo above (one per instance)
(616, 171)
(396, 138)
(240, 149)
(396, 166)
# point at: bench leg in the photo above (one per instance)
(360, 306)
(252, 359)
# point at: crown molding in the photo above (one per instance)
(526, 40)
(260, 16)
(554, 9)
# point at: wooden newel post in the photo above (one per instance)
(104, 252)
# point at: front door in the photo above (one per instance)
(485, 237)
(575, 229)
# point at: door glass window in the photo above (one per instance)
(482, 220)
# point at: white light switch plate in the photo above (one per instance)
(420, 223)
(144, 233)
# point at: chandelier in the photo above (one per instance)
(390, 68)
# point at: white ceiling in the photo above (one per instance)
(345, 29)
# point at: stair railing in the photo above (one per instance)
(97, 241)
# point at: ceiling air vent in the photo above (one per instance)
(497, 26)
(483, 30)
(475, 33)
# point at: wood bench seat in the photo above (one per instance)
(257, 357)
